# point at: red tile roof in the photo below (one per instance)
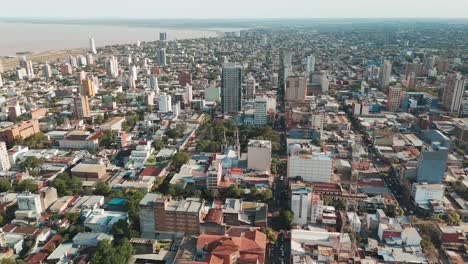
(151, 171)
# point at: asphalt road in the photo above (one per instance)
(279, 253)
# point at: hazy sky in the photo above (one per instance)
(158, 9)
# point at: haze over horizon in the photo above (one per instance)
(243, 9)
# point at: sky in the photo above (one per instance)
(167, 9)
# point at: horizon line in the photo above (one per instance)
(232, 18)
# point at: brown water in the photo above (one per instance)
(21, 37)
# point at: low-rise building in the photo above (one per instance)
(80, 140)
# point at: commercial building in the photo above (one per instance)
(231, 88)
(259, 155)
(260, 115)
(81, 107)
(311, 168)
(453, 93)
(296, 88)
(22, 130)
(394, 97)
(432, 163)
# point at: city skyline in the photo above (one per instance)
(263, 9)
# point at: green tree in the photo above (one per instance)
(66, 185)
(158, 144)
(31, 164)
(271, 235)
(233, 191)
(120, 230)
(102, 189)
(27, 185)
(5, 185)
(108, 139)
(285, 219)
(106, 253)
(180, 158)
(453, 218)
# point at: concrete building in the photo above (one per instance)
(165, 103)
(259, 155)
(4, 158)
(394, 98)
(99, 220)
(29, 207)
(453, 93)
(81, 108)
(296, 88)
(317, 120)
(422, 193)
(231, 88)
(301, 197)
(311, 168)
(316, 208)
(169, 215)
(147, 219)
(214, 175)
(385, 74)
(14, 112)
(432, 163)
(250, 88)
(23, 130)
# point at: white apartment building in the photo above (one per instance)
(311, 168)
(423, 192)
(259, 155)
(165, 103)
(301, 198)
(4, 160)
